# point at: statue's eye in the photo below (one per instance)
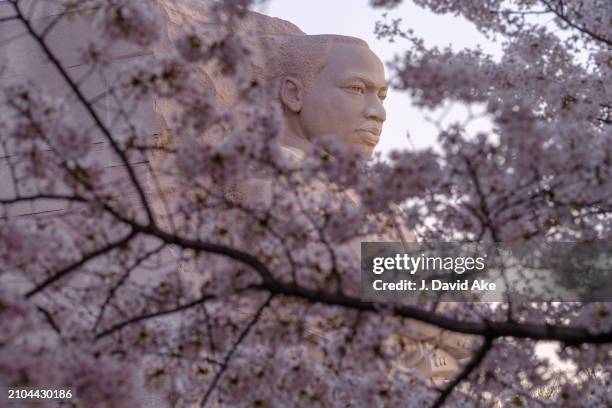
(357, 88)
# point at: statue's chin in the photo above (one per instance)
(366, 150)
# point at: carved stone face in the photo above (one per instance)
(346, 99)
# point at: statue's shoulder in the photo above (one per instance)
(250, 192)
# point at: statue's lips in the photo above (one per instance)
(369, 136)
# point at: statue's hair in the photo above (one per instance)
(301, 56)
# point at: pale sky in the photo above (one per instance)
(356, 18)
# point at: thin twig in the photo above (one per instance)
(37, 197)
(49, 319)
(147, 316)
(230, 353)
(558, 11)
(86, 258)
(52, 24)
(9, 18)
(121, 280)
(467, 370)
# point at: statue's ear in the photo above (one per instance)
(292, 93)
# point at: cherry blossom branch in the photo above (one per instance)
(571, 336)
(153, 230)
(147, 316)
(567, 335)
(122, 279)
(231, 352)
(211, 342)
(481, 198)
(517, 12)
(9, 18)
(74, 87)
(49, 319)
(86, 258)
(52, 24)
(232, 253)
(36, 197)
(467, 370)
(559, 13)
(181, 357)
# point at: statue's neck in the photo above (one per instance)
(296, 142)
(293, 136)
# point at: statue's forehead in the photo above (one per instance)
(354, 60)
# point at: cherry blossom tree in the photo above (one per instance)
(151, 278)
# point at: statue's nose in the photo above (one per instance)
(375, 109)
